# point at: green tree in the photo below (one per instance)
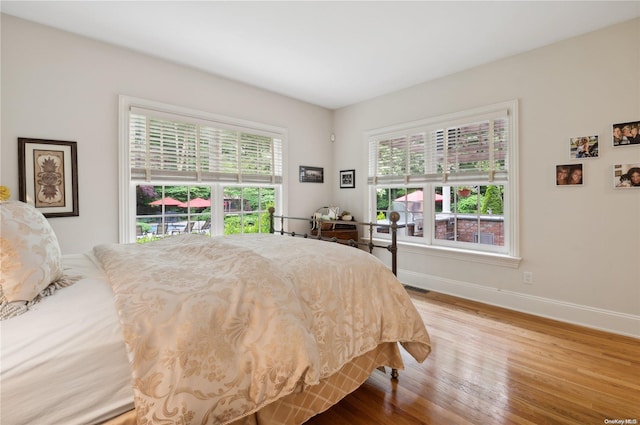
(180, 192)
(492, 201)
(468, 204)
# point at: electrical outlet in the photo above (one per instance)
(527, 277)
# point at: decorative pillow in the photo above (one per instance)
(30, 256)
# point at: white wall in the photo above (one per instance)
(581, 243)
(59, 86)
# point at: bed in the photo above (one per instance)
(249, 329)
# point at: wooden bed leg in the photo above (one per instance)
(394, 372)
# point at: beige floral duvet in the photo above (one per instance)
(217, 328)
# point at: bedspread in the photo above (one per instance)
(216, 328)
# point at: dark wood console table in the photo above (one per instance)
(341, 230)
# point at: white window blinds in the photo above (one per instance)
(398, 159)
(475, 150)
(170, 147)
(462, 150)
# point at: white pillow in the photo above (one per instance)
(30, 256)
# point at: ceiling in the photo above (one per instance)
(331, 54)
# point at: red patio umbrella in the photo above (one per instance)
(199, 203)
(169, 202)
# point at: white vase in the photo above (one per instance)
(347, 218)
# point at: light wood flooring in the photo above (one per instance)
(493, 366)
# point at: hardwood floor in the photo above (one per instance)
(494, 366)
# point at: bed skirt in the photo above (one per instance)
(296, 408)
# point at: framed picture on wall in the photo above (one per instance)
(347, 179)
(48, 176)
(583, 147)
(311, 174)
(569, 175)
(626, 133)
(626, 176)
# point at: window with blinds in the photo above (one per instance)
(475, 149)
(176, 149)
(468, 152)
(451, 178)
(183, 170)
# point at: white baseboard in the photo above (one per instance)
(596, 318)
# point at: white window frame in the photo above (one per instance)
(505, 256)
(127, 186)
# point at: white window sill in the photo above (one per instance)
(483, 257)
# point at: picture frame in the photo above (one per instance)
(626, 176)
(583, 147)
(48, 176)
(311, 174)
(347, 179)
(626, 133)
(569, 175)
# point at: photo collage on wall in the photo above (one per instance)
(586, 147)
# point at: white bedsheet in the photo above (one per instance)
(64, 361)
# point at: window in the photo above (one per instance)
(452, 179)
(246, 209)
(184, 171)
(165, 210)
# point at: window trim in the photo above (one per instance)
(127, 196)
(510, 258)
(445, 252)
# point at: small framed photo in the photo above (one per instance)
(569, 174)
(626, 133)
(583, 147)
(48, 176)
(626, 176)
(311, 174)
(347, 179)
